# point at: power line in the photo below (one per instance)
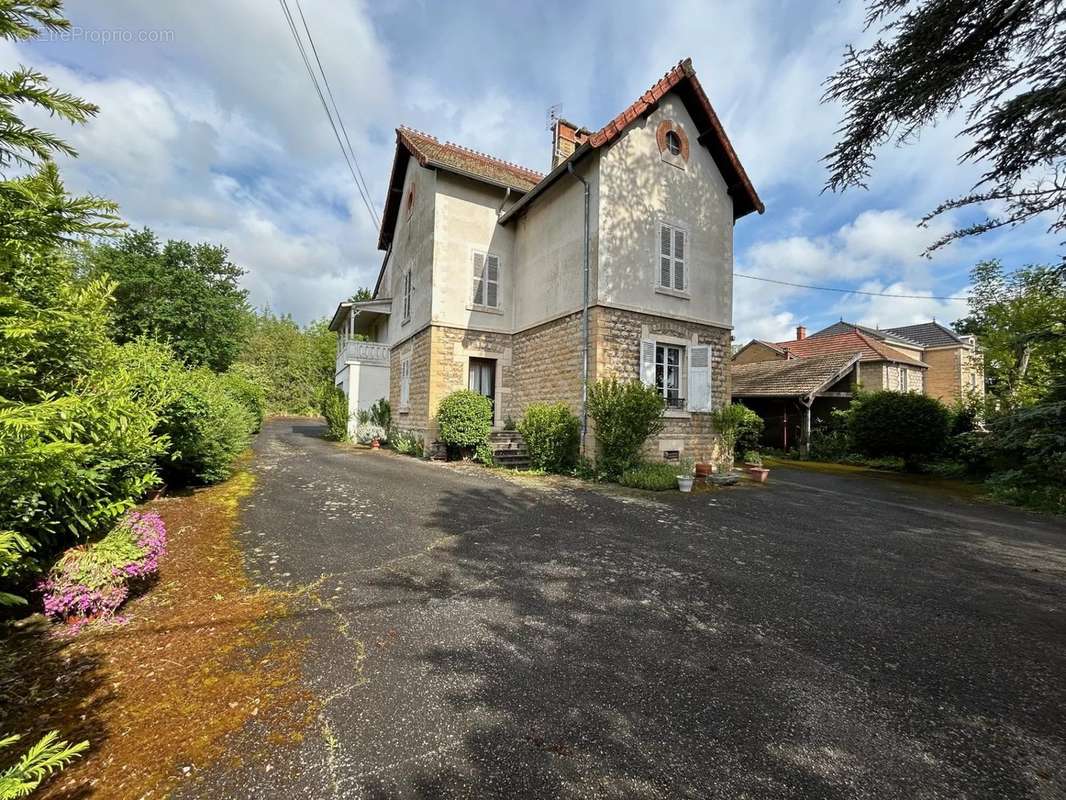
(847, 291)
(321, 98)
(336, 110)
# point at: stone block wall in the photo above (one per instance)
(451, 350)
(416, 416)
(547, 362)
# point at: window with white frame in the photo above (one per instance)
(668, 360)
(405, 382)
(673, 253)
(486, 280)
(407, 295)
(903, 379)
(680, 373)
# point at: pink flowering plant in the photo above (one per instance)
(93, 580)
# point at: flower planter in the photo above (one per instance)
(758, 474)
(375, 444)
(684, 483)
(703, 472)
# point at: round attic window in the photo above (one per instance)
(673, 143)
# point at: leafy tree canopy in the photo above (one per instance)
(1001, 63)
(181, 293)
(1020, 322)
(290, 363)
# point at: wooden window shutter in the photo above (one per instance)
(665, 255)
(647, 362)
(679, 259)
(492, 281)
(479, 279)
(699, 377)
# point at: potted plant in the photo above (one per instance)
(753, 466)
(684, 475)
(704, 470)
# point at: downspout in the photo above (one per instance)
(584, 317)
(503, 202)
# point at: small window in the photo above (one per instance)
(407, 295)
(405, 382)
(903, 379)
(673, 143)
(673, 252)
(486, 280)
(668, 374)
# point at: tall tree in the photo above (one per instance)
(1002, 63)
(290, 363)
(1020, 323)
(185, 294)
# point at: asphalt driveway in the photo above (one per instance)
(469, 635)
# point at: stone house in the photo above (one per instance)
(878, 366)
(526, 287)
(955, 363)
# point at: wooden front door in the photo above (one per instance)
(483, 378)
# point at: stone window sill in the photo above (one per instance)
(673, 293)
(403, 410)
(484, 309)
(676, 413)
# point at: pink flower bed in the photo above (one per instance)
(93, 580)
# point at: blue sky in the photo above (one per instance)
(209, 130)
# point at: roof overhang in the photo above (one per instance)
(808, 395)
(362, 308)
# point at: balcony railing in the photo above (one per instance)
(676, 403)
(361, 352)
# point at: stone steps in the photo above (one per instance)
(509, 449)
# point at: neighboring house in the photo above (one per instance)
(793, 395)
(956, 366)
(879, 366)
(487, 264)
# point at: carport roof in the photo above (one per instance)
(798, 377)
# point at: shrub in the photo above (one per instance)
(381, 414)
(246, 392)
(552, 435)
(1026, 454)
(626, 413)
(464, 419)
(368, 432)
(749, 432)
(95, 579)
(903, 424)
(729, 421)
(656, 477)
(333, 405)
(483, 453)
(207, 429)
(408, 443)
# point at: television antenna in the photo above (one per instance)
(554, 111)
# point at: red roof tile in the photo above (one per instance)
(851, 342)
(431, 151)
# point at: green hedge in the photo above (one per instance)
(904, 424)
(464, 419)
(657, 477)
(552, 435)
(626, 414)
(333, 405)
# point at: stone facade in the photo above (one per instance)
(415, 417)
(954, 373)
(547, 362)
(450, 353)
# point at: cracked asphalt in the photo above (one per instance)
(472, 635)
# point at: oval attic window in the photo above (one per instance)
(673, 143)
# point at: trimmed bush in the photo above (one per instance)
(333, 405)
(626, 413)
(207, 429)
(552, 435)
(749, 431)
(904, 424)
(656, 477)
(95, 579)
(464, 419)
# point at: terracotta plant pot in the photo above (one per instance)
(758, 474)
(375, 444)
(703, 471)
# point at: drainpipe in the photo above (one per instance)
(584, 317)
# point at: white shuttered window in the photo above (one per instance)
(673, 255)
(407, 294)
(486, 280)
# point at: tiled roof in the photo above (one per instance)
(844, 327)
(850, 342)
(431, 151)
(931, 334)
(793, 378)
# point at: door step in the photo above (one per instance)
(509, 449)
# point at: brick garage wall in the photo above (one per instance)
(416, 418)
(616, 336)
(452, 349)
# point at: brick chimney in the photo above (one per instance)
(801, 332)
(566, 137)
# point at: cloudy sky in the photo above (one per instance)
(210, 130)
